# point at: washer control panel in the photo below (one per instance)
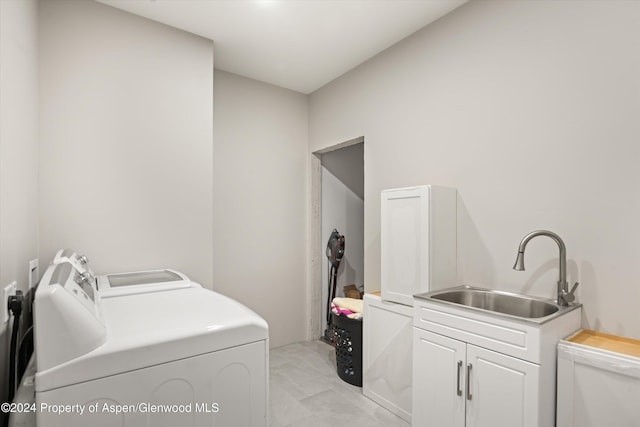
(67, 317)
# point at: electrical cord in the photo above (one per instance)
(25, 349)
(14, 306)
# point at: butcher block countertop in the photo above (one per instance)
(608, 342)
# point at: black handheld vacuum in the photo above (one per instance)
(335, 252)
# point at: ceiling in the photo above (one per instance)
(296, 44)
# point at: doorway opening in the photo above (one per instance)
(338, 204)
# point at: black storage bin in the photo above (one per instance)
(347, 334)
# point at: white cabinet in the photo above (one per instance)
(417, 241)
(462, 382)
(598, 381)
(478, 370)
(387, 354)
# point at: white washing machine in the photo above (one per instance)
(156, 356)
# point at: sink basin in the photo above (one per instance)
(498, 302)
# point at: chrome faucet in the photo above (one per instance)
(565, 296)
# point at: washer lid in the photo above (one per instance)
(142, 278)
(154, 328)
(139, 282)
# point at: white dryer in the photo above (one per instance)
(177, 355)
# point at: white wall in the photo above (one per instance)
(347, 164)
(126, 130)
(531, 110)
(259, 213)
(18, 152)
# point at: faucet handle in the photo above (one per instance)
(569, 296)
(573, 288)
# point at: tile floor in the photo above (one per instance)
(306, 391)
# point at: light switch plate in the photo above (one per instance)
(8, 291)
(34, 272)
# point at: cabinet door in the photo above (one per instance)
(438, 380)
(387, 338)
(504, 390)
(404, 243)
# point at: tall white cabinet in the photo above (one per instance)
(418, 254)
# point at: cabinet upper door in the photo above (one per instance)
(504, 390)
(417, 241)
(404, 243)
(438, 380)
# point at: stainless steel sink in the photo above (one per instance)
(502, 303)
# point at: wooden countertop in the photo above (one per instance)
(608, 342)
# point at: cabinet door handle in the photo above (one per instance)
(458, 380)
(469, 367)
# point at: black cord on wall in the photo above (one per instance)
(15, 307)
